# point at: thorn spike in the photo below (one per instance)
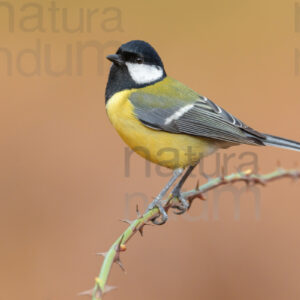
(197, 185)
(137, 211)
(87, 293)
(118, 261)
(126, 221)
(101, 253)
(141, 229)
(109, 288)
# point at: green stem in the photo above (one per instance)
(113, 253)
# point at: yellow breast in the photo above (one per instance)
(166, 149)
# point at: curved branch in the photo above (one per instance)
(113, 254)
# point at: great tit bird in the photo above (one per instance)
(168, 123)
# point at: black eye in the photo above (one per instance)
(139, 60)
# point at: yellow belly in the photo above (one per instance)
(166, 149)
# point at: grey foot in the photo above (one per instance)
(184, 204)
(162, 218)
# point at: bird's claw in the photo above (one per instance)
(162, 218)
(181, 209)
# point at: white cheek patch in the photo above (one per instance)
(142, 73)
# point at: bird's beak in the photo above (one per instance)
(116, 59)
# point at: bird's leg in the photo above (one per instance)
(157, 201)
(176, 193)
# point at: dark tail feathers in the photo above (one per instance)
(276, 141)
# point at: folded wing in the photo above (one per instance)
(196, 115)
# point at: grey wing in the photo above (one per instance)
(201, 117)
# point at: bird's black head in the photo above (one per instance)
(135, 64)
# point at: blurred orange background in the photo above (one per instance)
(63, 183)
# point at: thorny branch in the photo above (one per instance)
(113, 254)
